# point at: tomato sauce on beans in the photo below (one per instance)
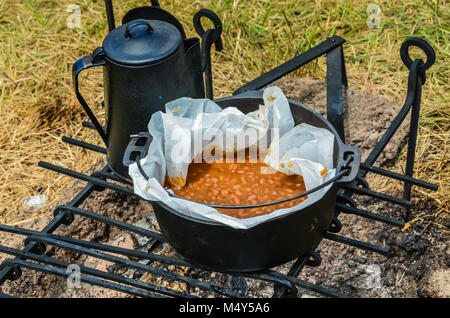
(239, 183)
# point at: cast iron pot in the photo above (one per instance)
(270, 243)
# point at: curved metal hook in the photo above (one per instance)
(217, 31)
(335, 226)
(314, 259)
(209, 37)
(422, 44)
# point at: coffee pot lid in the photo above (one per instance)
(141, 42)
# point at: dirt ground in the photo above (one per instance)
(417, 265)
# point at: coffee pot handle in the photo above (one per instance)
(82, 64)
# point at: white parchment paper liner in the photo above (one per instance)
(190, 127)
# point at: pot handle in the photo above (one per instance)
(137, 147)
(353, 154)
(136, 23)
(83, 64)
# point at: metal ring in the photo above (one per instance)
(422, 44)
(211, 16)
(217, 31)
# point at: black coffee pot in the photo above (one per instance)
(147, 62)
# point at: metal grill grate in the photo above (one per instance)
(33, 257)
(36, 243)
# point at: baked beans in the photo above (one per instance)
(235, 183)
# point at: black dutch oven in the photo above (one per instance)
(267, 244)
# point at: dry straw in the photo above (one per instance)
(37, 103)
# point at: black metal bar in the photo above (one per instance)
(398, 176)
(378, 195)
(53, 224)
(362, 182)
(289, 282)
(345, 199)
(111, 176)
(303, 284)
(109, 221)
(294, 271)
(266, 276)
(412, 138)
(206, 47)
(90, 125)
(356, 243)
(344, 71)
(93, 272)
(335, 109)
(5, 271)
(292, 64)
(103, 247)
(33, 235)
(83, 278)
(84, 193)
(110, 15)
(83, 144)
(18, 230)
(209, 37)
(281, 291)
(135, 265)
(392, 129)
(369, 215)
(53, 239)
(79, 66)
(90, 179)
